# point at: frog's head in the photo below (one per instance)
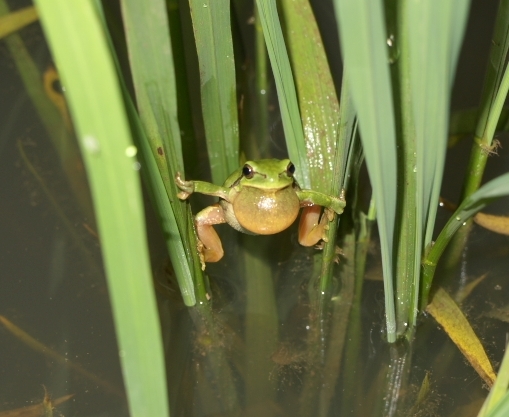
(267, 174)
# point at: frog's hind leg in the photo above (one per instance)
(312, 227)
(209, 244)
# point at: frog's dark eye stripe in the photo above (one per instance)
(248, 171)
(290, 169)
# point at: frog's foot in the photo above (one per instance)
(209, 245)
(187, 187)
(200, 247)
(312, 227)
(338, 204)
(337, 253)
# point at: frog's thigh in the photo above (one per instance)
(212, 249)
(311, 227)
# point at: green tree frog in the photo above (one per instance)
(260, 198)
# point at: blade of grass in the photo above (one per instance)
(409, 226)
(431, 33)
(212, 32)
(494, 93)
(167, 218)
(287, 96)
(262, 88)
(489, 192)
(326, 149)
(153, 74)
(502, 408)
(492, 83)
(318, 104)
(81, 53)
(498, 390)
(362, 35)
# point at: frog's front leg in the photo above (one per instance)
(312, 227)
(202, 187)
(209, 245)
(310, 197)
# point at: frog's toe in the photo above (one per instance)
(185, 186)
(200, 247)
(183, 195)
(330, 214)
(338, 206)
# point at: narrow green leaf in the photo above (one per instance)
(285, 86)
(495, 68)
(498, 393)
(489, 192)
(151, 63)
(435, 31)
(80, 50)
(319, 107)
(502, 408)
(362, 34)
(431, 34)
(212, 32)
(153, 74)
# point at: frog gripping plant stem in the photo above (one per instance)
(260, 198)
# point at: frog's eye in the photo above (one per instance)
(290, 169)
(248, 171)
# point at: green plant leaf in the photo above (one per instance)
(319, 107)
(212, 32)
(489, 192)
(153, 74)
(431, 34)
(498, 397)
(80, 50)
(363, 41)
(285, 86)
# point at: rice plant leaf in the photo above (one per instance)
(287, 96)
(430, 33)
(212, 32)
(151, 64)
(495, 69)
(489, 192)
(157, 189)
(363, 41)
(498, 397)
(502, 408)
(435, 30)
(153, 73)
(14, 21)
(318, 103)
(445, 311)
(81, 52)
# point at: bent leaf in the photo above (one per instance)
(497, 224)
(447, 313)
(488, 193)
